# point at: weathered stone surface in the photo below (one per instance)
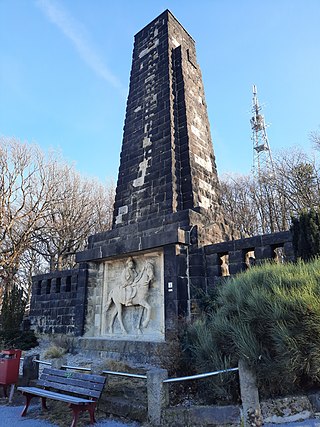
(214, 415)
(158, 396)
(121, 407)
(167, 161)
(30, 369)
(314, 399)
(285, 410)
(134, 352)
(57, 302)
(201, 416)
(126, 299)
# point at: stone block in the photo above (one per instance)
(248, 243)
(181, 265)
(263, 253)
(249, 396)
(214, 415)
(223, 247)
(288, 251)
(30, 369)
(236, 268)
(276, 238)
(89, 255)
(236, 257)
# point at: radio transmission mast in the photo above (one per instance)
(262, 159)
(263, 169)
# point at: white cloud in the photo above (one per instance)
(75, 32)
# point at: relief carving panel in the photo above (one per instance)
(128, 301)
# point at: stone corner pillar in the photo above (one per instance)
(158, 397)
(30, 369)
(249, 396)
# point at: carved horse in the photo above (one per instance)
(139, 294)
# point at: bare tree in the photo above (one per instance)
(47, 212)
(25, 197)
(315, 139)
(238, 202)
(83, 208)
(298, 181)
(103, 196)
(265, 204)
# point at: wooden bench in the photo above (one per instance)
(66, 387)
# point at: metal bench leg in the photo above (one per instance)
(44, 403)
(91, 409)
(5, 390)
(11, 393)
(76, 409)
(28, 400)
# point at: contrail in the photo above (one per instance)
(75, 32)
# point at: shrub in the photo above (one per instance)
(270, 316)
(306, 234)
(18, 339)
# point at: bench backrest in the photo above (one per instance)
(76, 383)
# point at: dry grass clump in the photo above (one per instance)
(54, 352)
(118, 366)
(66, 342)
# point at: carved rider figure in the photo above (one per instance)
(128, 277)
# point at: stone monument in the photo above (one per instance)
(169, 238)
(167, 196)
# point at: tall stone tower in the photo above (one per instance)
(167, 199)
(167, 161)
(169, 238)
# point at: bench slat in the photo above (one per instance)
(69, 388)
(87, 385)
(76, 375)
(72, 381)
(52, 395)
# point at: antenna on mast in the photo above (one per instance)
(262, 159)
(263, 169)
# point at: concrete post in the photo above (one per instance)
(249, 396)
(30, 369)
(158, 397)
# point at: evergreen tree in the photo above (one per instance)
(306, 234)
(13, 308)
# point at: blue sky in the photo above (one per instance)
(65, 65)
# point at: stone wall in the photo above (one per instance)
(240, 254)
(58, 302)
(62, 302)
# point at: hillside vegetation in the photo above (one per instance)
(269, 316)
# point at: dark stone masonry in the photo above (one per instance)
(167, 215)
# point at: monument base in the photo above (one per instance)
(160, 354)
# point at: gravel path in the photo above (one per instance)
(10, 417)
(312, 422)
